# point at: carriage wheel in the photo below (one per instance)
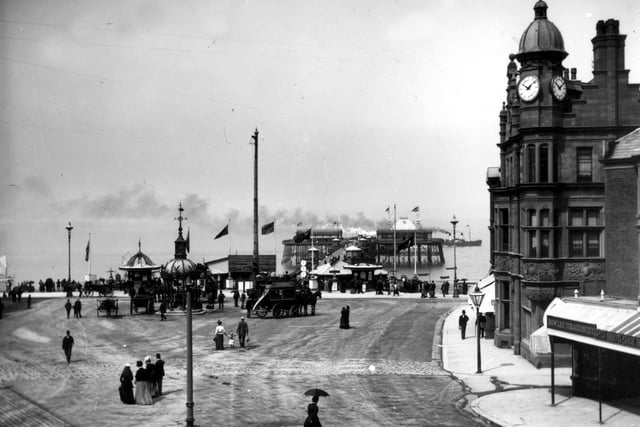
(295, 310)
(261, 311)
(277, 311)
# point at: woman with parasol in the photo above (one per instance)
(312, 410)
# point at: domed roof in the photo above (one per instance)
(541, 35)
(180, 268)
(139, 261)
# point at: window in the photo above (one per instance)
(505, 305)
(531, 156)
(538, 238)
(503, 229)
(585, 164)
(585, 230)
(544, 163)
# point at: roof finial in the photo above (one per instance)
(540, 9)
(139, 245)
(180, 218)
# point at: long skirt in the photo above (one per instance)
(219, 339)
(143, 393)
(126, 394)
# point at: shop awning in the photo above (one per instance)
(614, 325)
(488, 287)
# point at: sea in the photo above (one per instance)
(472, 263)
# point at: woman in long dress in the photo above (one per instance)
(312, 414)
(143, 394)
(126, 385)
(218, 336)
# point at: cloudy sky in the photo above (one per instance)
(113, 112)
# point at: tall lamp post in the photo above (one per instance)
(454, 222)
(190, 420)
(476, 298)
(69, 228)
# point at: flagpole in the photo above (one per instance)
(90, 253)
(394, 240)
(229, 242)
(275, 253)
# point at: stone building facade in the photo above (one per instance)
(547, 198)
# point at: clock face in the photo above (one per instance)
(559, 88)
(528, 88)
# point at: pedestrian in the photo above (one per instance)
(126, 385)
(29, 301)
(346, 318)
(150, 369)
(243, 298)
(243, 331)
(442, 288)
(143, 395)
(67, 345)
(249, 305)
(343, 317)
(163, 310)
(396, 290)
(462, 324)
(159, 370)
(77, 307)
(218, 336)
(312, 414)
(232, 341)
(236, 297)
(482, 322)
(220, 300)
(313, 299)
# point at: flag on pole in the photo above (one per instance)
(222, 232)
(406, 244)
(188, 243)
(269, 228)
(416, 209)
(86, 255)
(387, 210)
(301, 236)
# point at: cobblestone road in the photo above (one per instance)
(259, 386)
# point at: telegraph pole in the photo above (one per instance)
(256, 255)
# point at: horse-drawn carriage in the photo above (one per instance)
(282, 299)
(108, 306)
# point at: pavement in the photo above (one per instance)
(509, 391)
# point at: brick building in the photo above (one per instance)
(547, 198)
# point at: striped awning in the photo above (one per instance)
(610, 325)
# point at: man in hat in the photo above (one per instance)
(243, 331)
(67, 345)
(159, 371)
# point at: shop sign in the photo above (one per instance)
(573, 326)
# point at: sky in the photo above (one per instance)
(115, 112)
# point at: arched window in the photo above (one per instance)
(531, 163)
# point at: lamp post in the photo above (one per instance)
(454, 222)
(69, 228)
(188, 286)
(476, 298)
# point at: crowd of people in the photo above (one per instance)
(147, 380)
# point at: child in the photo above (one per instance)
(232, 343)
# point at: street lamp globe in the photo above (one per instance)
(476, 297)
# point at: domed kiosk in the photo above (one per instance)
(181, 272)
(139, 281)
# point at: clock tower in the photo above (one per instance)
(541, 88)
